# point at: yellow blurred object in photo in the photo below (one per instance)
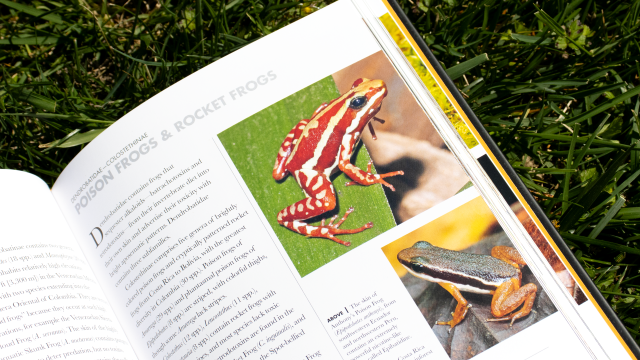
(456, 230)
(431, 84)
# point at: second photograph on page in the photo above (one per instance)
(469, 282)
(341, 161)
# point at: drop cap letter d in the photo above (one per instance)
(99, 234)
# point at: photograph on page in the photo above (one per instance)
(325, 192)
(469, 282)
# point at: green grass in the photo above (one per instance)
(253, 144)
(560, 99)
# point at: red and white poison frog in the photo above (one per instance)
(315, 147)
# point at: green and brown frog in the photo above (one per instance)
(498, 275)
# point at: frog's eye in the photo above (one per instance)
(416, 266)
(358, 102)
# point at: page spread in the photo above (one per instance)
(290, 203)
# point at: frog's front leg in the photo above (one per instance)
(320, 199)
(461, 309)
(508, 297)
(508, 255)
(360, 176)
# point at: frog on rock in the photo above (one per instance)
(316, 148)
(498, 275)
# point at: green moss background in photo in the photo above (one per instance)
(253, 144)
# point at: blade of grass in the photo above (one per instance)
(32, 11)
(606, 244)
(567, 176)
(597, 110)
(548, 20)
(457, 71)
(605, 220)
(591, 192)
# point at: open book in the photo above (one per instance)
(323, 193)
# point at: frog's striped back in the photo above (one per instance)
(469, 272)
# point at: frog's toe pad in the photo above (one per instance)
(450, 323)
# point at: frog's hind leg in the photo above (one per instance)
(461, 309)
(279, 171)
(508, 297)
(320, 199)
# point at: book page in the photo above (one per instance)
(237, 214)
(184, 255)
(51, 304)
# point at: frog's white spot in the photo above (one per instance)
(309, 174)
(324, 230)
(280, 216)
(309, 206)
(286, 143)
(292, 208)
(349, 166)
(330, 168)
(324, 105)
(300, 127)
(282, 152)
(345, 155)
(326, 204)
(321, 194)
(318, 184)
(298, 224)
(309, 229)
(295, 141)
(300, 207)
(318, 203)
(284, 212)
(377, 176)
(289, 135)
(286, 223)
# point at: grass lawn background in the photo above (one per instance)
(558, 93)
